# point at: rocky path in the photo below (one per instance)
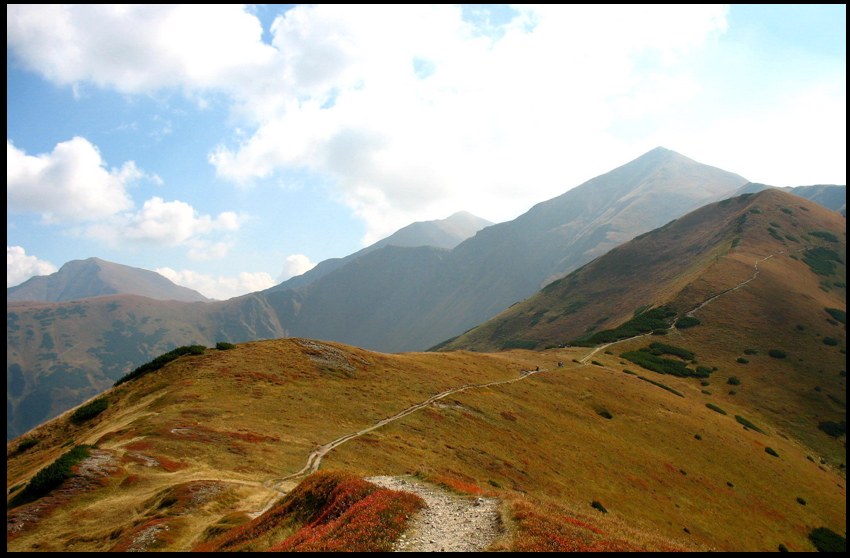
(314, 460)
(450, 523)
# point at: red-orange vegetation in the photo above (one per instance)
(329, 510)
(545, 530)
(459, 485)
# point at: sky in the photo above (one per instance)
(232, 147)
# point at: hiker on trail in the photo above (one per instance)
(537, 369)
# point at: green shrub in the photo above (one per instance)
(51, 476)
(697, 437)
(161, 361)
(715, 408)
(654, 319)
(89, 410)
(224, 346)
(750, 351)
(831, 341)
(834, 429)
(820, 260)
(687, 321)
(662, 386)
(598, 506)
(596, 362)
(645, 359)
(782, 548)
(777, 353)
(733, 381)
(801, 501)
(827, 540)
(704, 382)
(664, 349)
(748, 424)
(828, 236)
(26, 444)
(838, 314)
(604, 414)
(770, 451)
(742, 360)
(775, 234)
(627, 371)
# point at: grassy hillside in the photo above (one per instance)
(183, 455)
(799, 248)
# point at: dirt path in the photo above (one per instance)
(587, 357)
(314, 460)
(450, 523)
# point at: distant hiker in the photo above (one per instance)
(560, 364)
(537, 369)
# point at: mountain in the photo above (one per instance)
(387, 297)
(831, 196)
(774, 261)
(93, 277)
(437, 294)
(442, 233)
(213, 452)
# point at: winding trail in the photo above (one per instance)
(698, 307)
(314, 460)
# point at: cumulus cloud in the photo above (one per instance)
(71, 183)
(446, 108)
(20, 267)
(296, 264)
(138, 48)
(221, 287)
(72, 186)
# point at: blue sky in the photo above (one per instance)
(230, 147)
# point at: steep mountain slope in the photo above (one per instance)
(789, 251)
(442, 233)
(95, 277)
(502, 263)
(190, 453)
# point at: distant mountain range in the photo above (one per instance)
(686, 391)
(93, 277)
(401, 294)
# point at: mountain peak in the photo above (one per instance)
(93, 277)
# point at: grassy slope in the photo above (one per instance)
(224, 422)
(783, 308)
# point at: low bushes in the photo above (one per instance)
(50, 477)
(715, 408)
(89, 410)
(827, 540)
(777, 353)
(161, 361)
(748, 424)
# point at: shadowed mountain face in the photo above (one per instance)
(444, 233)
(93, 277)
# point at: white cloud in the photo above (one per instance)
(221, 287)
(20, 267)
(138, 48)
(296, 264)
(444, 108)
(69, 184)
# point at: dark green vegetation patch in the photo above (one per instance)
(687, 321)
(224, 346)
(650, 320)
(598, 506)
(89, 410)
(161, 361)
(662, 386)
(749, 425)
(838, 314)
(827, 540)
(715, 408)
(828, 236)
(777, 353)
(834, 429)
(519, 344)
(770, 451)
(26, 444)
(651, 359)
(821, 260)
(50, 477)
(831, 341)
